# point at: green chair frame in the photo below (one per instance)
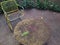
(9, 12)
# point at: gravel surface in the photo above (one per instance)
(51, 18)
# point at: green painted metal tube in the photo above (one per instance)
(25, 33)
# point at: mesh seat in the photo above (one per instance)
(14, 16)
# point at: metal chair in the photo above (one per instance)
(11, 11)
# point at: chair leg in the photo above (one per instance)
(9, 24)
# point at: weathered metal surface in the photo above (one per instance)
(32, 32)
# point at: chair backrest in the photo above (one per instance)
(9, 6)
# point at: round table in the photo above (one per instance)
(32, 32)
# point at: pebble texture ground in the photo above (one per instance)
(51, 18)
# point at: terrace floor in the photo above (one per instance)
(51, 18)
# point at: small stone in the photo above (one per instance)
(41, 17)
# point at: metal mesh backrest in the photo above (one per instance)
(9, 6)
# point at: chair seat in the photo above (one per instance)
(15, 15)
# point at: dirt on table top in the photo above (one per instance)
(38, 32)
(51, 18)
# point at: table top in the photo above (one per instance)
(32, 32)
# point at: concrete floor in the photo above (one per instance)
(51, 18)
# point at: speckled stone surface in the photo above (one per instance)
(51, 18)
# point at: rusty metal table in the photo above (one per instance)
(32, 32)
